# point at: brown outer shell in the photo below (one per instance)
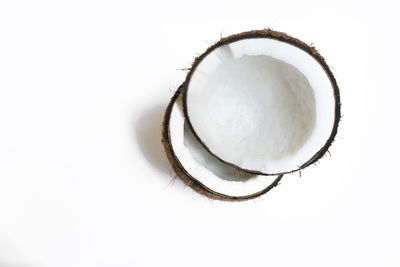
(283, 37)
(187, 178)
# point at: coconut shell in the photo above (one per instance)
(186, 177)
(283, 37)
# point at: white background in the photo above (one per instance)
(83, 177)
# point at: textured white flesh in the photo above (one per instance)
(204, 167)
(261, 104)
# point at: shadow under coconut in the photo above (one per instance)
(148, 133)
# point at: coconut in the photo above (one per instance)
(262, 102)
(201, 170)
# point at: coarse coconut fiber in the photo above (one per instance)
(254, 106)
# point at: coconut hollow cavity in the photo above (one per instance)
(201, 170)
(262, 102)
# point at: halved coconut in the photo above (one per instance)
(263, 102)
(202, 171)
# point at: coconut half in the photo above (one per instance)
(202, 171)
(263, 102)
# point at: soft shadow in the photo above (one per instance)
(13, 265)
(148, 133)
(10, 256)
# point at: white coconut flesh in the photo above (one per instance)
(205, 168)
(261, 105)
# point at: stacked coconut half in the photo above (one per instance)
(254, 106)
